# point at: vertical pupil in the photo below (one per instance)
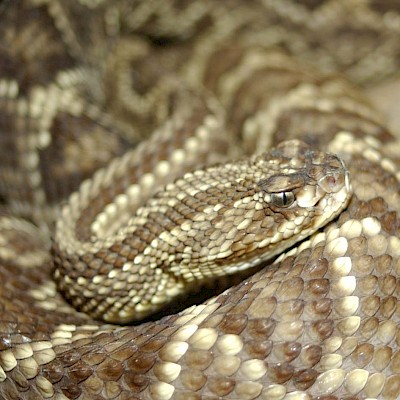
(284, 198)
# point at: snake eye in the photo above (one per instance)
(282, 199)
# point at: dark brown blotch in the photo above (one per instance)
(390, 223)
(322, 329)
(315, 269)
(110, 370)
(53, 371)
(261, 328)
(124, 353)
(304, 379)
(233, 323)
(19, 379)
(154, 344)
(287, 351)
(317, 288)
(140, 362)
(79, 372)
(70, 357)
(318, 309)
(70, 389)
(259, 349)
(281, 373)
(136, 382)
(311, 355)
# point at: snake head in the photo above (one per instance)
(302, 190)
(304, 176)
(241, 213)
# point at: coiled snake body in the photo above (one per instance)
(198, 84)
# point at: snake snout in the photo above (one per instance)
(335, 178)
(328, 184)
(334, 186)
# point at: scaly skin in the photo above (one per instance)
(78, 88)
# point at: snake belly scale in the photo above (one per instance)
(148, 146)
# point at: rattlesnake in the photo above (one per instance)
(83, 82)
